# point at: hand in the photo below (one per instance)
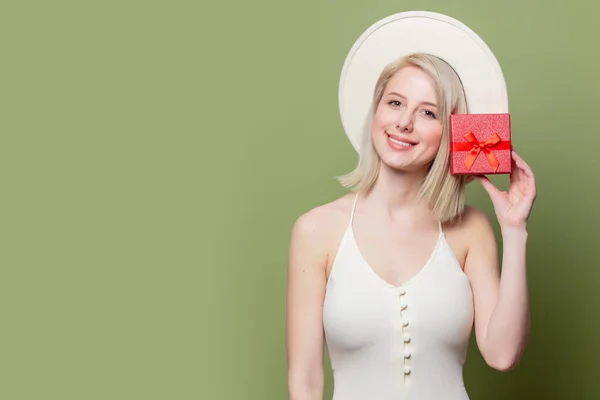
(513, 207)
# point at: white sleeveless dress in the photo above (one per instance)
(397, 343)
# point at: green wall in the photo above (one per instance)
(154, 156)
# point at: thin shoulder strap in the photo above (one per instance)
(353, 208)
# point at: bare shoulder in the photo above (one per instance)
(319, 229)
(321, 221)
(475, 222)
(473, 228)
(471, 221)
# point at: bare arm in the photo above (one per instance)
(502, 305)
(501, 302)
(305, 294)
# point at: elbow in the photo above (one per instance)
(504, 362)
(506, 356)
(503, 365)
(305, 386)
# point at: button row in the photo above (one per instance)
(405, 323)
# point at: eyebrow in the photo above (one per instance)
(404, 97)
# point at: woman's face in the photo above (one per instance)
(406, 129)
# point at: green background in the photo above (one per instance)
(154, 156)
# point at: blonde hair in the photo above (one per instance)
(443, 193)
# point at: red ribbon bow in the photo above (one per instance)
(474, 147)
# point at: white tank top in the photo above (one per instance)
(395, 343)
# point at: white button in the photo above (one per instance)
(406, 338)
(401, 291)
(406, 370)
(404, 322)
(403, 306)
(406, 354)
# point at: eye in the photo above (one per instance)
(429, 114)
(394, 103)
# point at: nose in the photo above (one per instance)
(404, 122)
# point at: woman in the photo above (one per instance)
(394, 275)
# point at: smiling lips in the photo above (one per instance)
(399, 143)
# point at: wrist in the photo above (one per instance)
(514, 230)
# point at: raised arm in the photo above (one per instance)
(502, 320)
(305, 294)
(501, 302)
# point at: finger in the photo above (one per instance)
(522, 172)
(522, 165)
(526, 174)
(516, 175)
(488, 185)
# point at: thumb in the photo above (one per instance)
(489, 187)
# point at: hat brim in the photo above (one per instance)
(411, 32)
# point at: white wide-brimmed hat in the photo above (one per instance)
(411, 32)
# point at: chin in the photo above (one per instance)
(401, 163)
(407, 167)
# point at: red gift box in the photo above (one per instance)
(480, 144)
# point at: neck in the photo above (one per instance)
(396, 192)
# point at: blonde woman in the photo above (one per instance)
(393, 276)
